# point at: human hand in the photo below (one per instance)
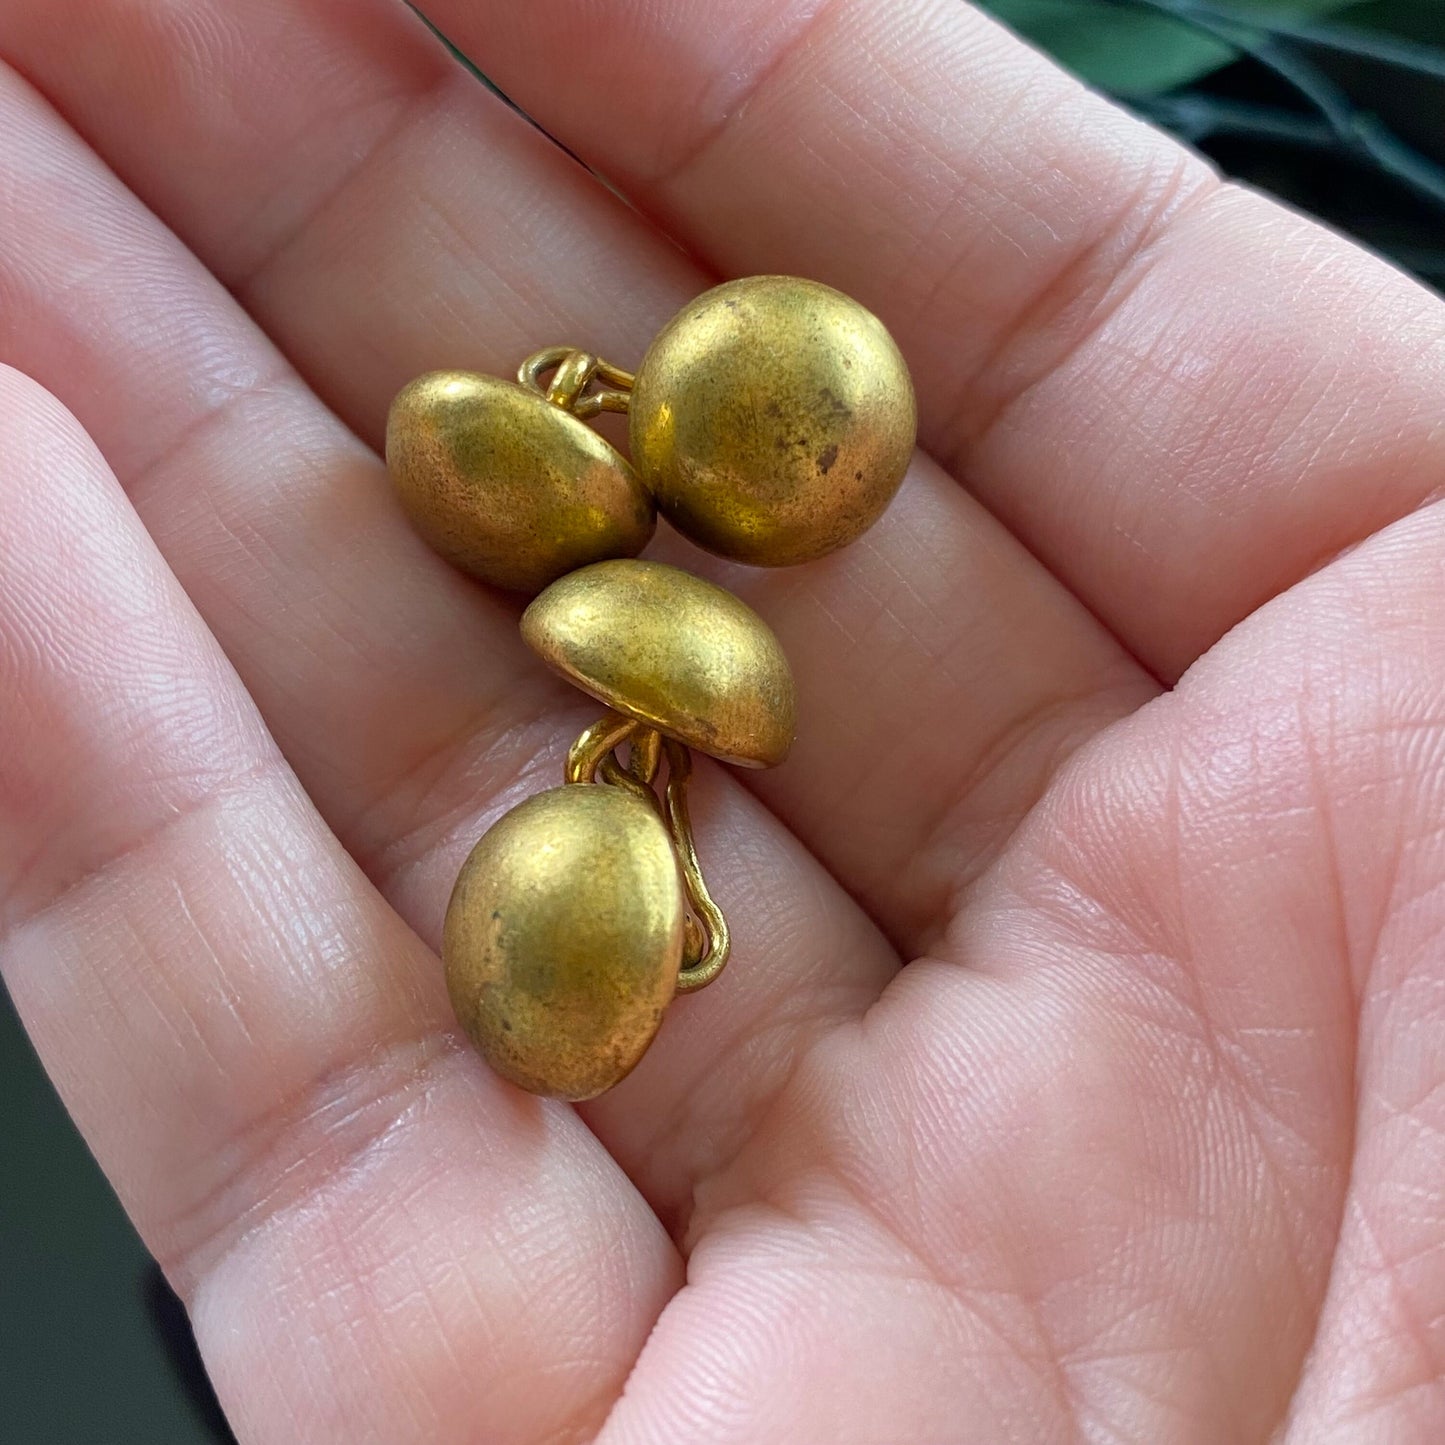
(1142, 1144)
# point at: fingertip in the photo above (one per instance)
(30, 413)
(52, 474)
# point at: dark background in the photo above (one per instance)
(1338, 106)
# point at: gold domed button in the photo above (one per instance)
(774, 419)
(674, 652)
(507, 485)
(564, 938)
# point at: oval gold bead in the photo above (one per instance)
(507, 486)
(564, 937)
(677, 653)
(773, 418)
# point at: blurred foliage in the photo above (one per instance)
(1337, 106)
(1138, 49)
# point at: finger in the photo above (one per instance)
(378, 1240)
(445, 227)
(313, 153)
(1181, 397)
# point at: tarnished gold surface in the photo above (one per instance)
(675, 652)
(564, 938)
(773, 418)
(508, 486)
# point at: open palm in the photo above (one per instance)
(1144, 1141)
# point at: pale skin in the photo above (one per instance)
(1080, 1070)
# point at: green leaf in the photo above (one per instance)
(1408, 19)
(1128, 51)
(1136, 49)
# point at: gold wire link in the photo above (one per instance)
(586, 755)
(707, 955)
(644, 754)
(572, 377)
(707, 941)
(531, 371)
(573, 372)
(615, 775)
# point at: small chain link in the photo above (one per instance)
(573, 372)
(593, 758)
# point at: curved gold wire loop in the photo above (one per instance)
(707, 955)
(573, 372)
(706, 940)
(571, 379)
(531, 371)
(595, 745)
(644, 754)
(597, 402)
(615, 775)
